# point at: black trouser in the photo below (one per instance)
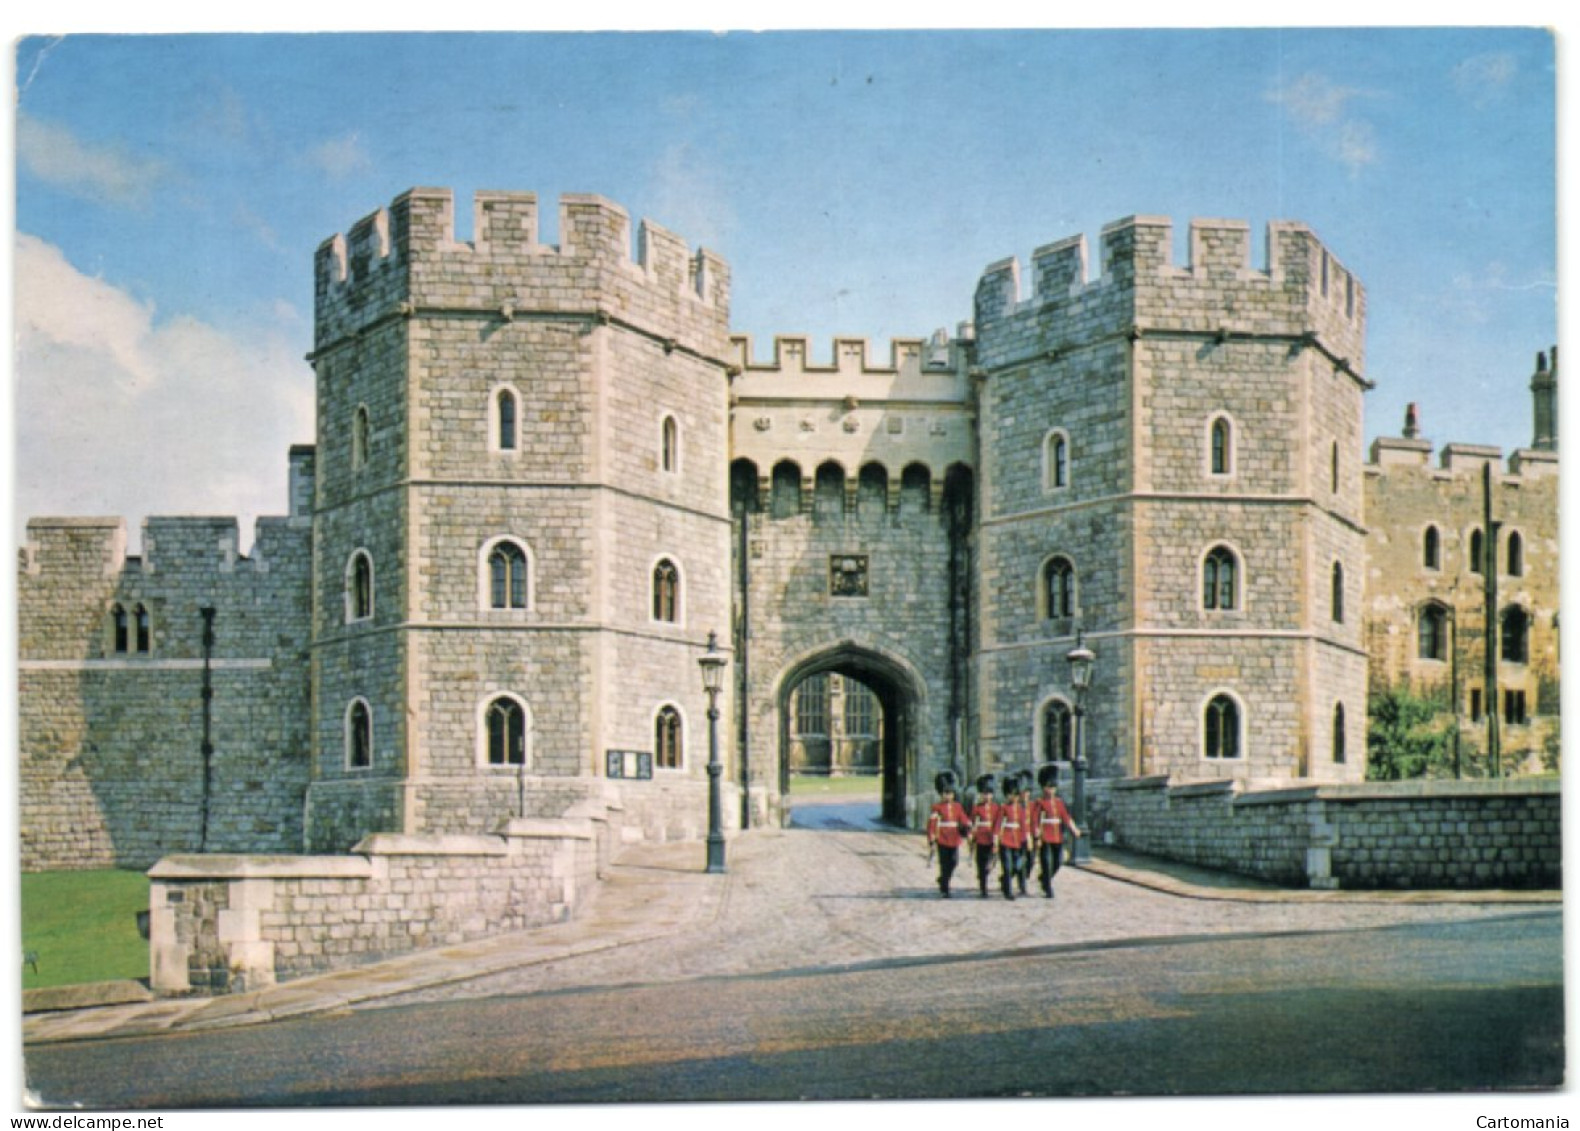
(948, 858)
(1010, 863)
(1049, 857)
(984, 864)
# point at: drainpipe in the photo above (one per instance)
(208, 721)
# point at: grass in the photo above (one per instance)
(83, 927)
(809, 785)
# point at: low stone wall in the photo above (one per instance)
(1425, 834)
(228, 924)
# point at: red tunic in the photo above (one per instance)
(984, 815)
(1048, 818)
(1011, 828)
(946, 824)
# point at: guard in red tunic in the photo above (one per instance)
(946, 828)
(1023, 782)
(984, 814)
(1012, 832)
(1049, 817)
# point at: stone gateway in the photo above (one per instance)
(544, 474)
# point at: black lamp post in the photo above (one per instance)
(712, 663)
(1081, 659)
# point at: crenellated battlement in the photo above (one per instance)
(1303, 286)
(1390, 453)
(792, 356)
(406, 256)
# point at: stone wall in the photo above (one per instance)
(1408, 494)
(228, 924)
(111, 733)
(1488, 834)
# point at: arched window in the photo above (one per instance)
(1221, 443)
(1338, 593)
(1516, 635)
(1058, 732)
(1218, 578)
(668, 741)
(508, 575)
(666, 592)
(1476, 550)
(669, 444)
(144, 632)
(359, 735)
(506, 721)
(1516, 554)
(861, 711)
(1432, 632)
(1221, 727)
(1059, 588)
(811, 710)
(1431, 549)
(506, 431)
(359, 438)
(359, 587)
(120, 629)
(1338, 734)
(1055, 461)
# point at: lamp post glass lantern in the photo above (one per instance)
(712, 664)
(1081, 660)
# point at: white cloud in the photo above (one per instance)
(105, 174)
(1321, 110)
(341, 157)
(119, 413)
(1482, 79)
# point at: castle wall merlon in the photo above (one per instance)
(1136, 246)
(1059, 268)
(182, 541)
(506, 221)
(423, 220)
(1220, 249)
(368, 245)
(998, 290)
(1396, 451)
(1470, 457)
(91, 547)
(1533, 463)
(711, 278)
(594, 228)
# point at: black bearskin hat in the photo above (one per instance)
(946, 782)
(986, 784)
(1048, 775)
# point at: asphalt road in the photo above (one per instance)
(833, 971)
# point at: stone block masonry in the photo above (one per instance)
(229, 924)
(1403, 835)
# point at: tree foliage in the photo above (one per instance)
(1407, 739)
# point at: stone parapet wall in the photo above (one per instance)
(229, 924)
(1493, 834)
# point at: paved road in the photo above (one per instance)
(832, 969)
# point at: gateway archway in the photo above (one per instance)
(892, 735)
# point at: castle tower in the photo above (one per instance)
(1171, 464)
(1544, 401)
(521, 527)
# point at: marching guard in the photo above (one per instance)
(1012, 833)
(983, 816)
(1049, 818)
(946, 826)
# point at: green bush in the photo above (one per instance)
(83, 927)
(1407, 738)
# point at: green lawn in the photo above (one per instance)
(83, 927)
(807, 785)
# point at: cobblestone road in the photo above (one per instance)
(847, 891)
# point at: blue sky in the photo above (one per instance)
(170, 192)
